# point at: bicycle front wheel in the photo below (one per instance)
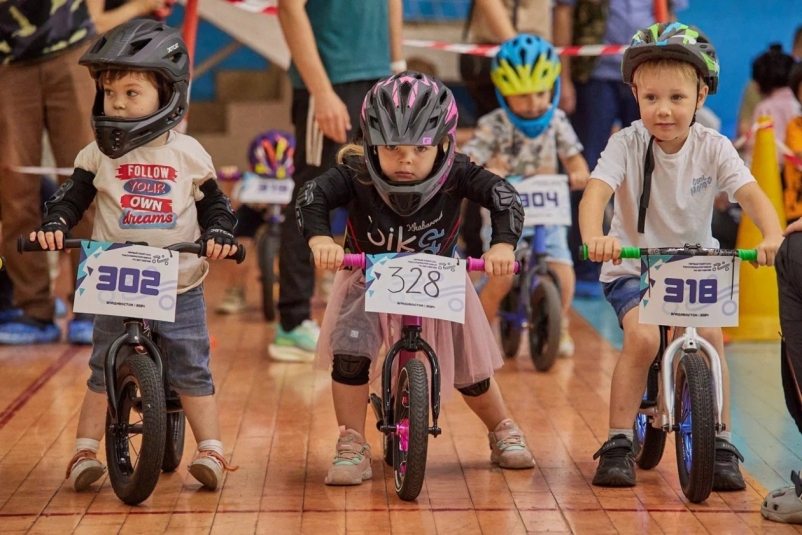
(695, 424)
(135, 446)
(411, 439)
(545, 324)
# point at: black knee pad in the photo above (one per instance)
(350, 370)
(476, 389)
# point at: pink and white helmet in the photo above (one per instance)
(409, 109)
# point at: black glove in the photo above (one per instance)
(220, 236)
(52, 224)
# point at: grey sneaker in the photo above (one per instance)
(351, 465)
(208, 467)
(508, 447)
(233, 302)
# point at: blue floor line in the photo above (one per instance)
(772, 448)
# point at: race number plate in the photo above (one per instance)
(689, 291)
(256, 190)
(546, 199)
(131, 281)
(416, 284)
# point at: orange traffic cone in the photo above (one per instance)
(759, 304)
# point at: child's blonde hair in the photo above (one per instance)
(353, 156)
(682, 69)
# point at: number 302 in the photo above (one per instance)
(128, 280)
(705, 290)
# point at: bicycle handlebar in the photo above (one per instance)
(359, 260)
(749, 255)
(199, 248)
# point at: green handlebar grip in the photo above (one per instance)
(749, 255)
(630, 252)
(626, 252)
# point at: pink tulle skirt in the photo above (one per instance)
(467, 353)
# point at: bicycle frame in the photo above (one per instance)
(690, 341)
(535, 268)
(405, 349)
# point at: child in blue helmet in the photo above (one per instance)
(525, 137)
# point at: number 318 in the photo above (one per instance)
(705, 290)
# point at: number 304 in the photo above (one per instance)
(704, 291)
(128, 280)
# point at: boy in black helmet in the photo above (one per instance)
(154, 185)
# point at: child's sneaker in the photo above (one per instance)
(508, 447)
(84, 469)
(616, 463)
(297, 345)
(351, 465)
(233, 302)
(727, 471)
(566, 342)
(784, 504)
(208, 468)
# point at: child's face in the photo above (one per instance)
(131, 97)
(406, 163)
(667, 103)
(530, 105)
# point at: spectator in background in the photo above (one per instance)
(752, 95)
(42, 86)
(592, 89)
(107, 14)
(339, 50)
(771, 71)
(793, 140)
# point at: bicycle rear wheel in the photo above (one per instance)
(510, 328)
(411, 439)
(650, 442)
(174, 445)
(140, 396)
(695, 425)
(545, 324)
(268, 252)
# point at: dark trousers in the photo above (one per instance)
(599, 103)
(297, 275)
(789, 282)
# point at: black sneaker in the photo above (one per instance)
(727, 472)
(617, 463)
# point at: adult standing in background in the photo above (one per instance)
(592, 88)
(339, 50)
(42, 86)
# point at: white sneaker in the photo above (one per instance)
(566, 342)
(784, 504)
(233, 302)
(208, 467)
(84, 469)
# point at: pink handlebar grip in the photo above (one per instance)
(478, 264)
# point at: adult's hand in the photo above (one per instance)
(331, 116)
(796, 226)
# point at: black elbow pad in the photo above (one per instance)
(306, 196)
(58, 196)
(505, 197)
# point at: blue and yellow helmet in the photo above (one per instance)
(527, 64)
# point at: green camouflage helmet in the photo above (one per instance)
(673, 40)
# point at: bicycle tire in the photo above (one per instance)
(510, 332)
(268, 251)
(409, 467)
(650, 442)
(695, 425)
(133, 484)
(545, 324)
(174, 443)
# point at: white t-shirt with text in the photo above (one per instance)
(684, 187)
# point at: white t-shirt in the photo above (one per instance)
(684, 186)
(149, 195)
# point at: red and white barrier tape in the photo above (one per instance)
(787, 153)
(268, 7)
